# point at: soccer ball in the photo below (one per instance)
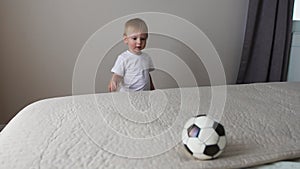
(203, 137)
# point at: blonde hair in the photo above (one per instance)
(135, 25)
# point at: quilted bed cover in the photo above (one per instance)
(143, 129)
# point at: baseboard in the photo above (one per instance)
(2, 126)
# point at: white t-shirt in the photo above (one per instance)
(135, 71)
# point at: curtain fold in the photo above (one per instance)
(267, 41)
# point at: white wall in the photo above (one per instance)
(294, 70)
(294, 62)
(296, 15)
(41, 39)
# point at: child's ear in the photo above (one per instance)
(125, 39)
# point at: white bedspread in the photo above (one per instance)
(143, 129)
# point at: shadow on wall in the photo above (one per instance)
(161, 78)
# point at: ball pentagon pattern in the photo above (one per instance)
(203, 137)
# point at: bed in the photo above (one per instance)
(143, 129)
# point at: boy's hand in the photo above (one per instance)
(112, 86)
(114, 82)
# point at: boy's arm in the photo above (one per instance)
(114, 82)
(151, 83)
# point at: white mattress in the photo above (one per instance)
(143, 129)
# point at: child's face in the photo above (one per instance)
(136, 42)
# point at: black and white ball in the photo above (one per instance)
(203, 137)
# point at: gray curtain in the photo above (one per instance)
(267, 41)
